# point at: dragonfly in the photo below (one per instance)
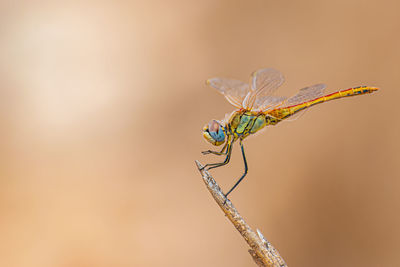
(258, 107)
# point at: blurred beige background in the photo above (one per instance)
(101, 110)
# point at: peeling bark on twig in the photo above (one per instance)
(263, 253)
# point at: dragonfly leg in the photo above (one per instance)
(216, 152)
(245, 170)
(226, 161)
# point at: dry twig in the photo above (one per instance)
(263, 253)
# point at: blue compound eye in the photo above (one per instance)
(216, 131)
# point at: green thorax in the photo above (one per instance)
(244, 123)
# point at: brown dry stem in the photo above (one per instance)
(263, 253)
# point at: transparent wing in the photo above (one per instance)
(306, 94)
(234, 91)
(265, 103)
(264, 83)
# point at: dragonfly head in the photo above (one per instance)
(214, 133)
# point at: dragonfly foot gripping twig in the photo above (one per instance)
(263, 253)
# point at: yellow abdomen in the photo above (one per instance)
(275, 116)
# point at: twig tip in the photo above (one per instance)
(199, 166)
